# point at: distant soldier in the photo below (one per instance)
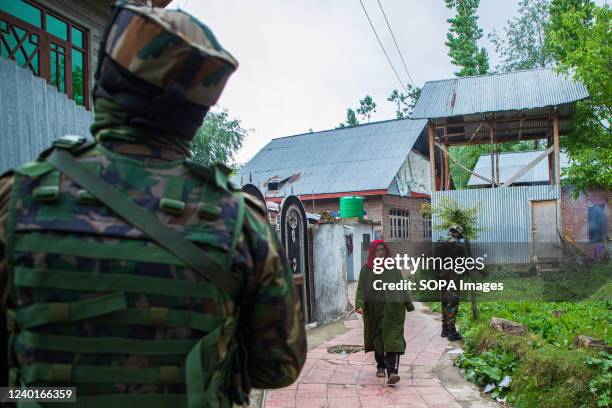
(129, 271)
(451, 246)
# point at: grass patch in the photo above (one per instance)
(547, 370)
(543, 375)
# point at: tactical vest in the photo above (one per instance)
(101, 306)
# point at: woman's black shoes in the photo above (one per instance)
(393, 379)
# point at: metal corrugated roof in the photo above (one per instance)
(359, 158)
(510, 163)
(528, 89)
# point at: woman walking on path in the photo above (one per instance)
(383, 313)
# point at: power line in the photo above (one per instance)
(381, 46)
(396, 46)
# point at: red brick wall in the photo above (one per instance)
(413, 206)
(575, 213)
(376, 207)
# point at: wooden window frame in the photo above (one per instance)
(399, 224)
(427, 228)
(45, 39)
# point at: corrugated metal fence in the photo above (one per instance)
(503, 215)
(33, 114)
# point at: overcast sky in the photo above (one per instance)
(302, 63)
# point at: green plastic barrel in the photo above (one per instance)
(351, 207)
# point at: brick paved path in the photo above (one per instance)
(334, 380)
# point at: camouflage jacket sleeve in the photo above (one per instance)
(271, 321)
(6, 183)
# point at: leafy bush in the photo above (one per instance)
(451, 213)
(546, 369)
(602, 383)
(489, 368)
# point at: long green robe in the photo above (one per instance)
(383, 318)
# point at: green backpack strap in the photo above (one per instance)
(182, 248)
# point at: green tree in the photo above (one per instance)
(218, 139)
(523, 43)
(405, 103)
(462, 39)
(367, 106)
(580, 38)
(351, 119)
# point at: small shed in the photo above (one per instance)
(492, 109)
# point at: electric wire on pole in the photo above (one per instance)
(395, 41)
(382, 47)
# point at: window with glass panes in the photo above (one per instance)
(400, 224)
(50, 45)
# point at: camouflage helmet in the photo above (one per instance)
(164, 67)
(455, 228)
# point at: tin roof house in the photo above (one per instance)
(385, 162)
(524, 204)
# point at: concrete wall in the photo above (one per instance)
(357, 230)
(331, 291)
(575, 213)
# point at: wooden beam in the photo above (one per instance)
(556, 146)
(446, 170)
(497, 164)
(488, 180)
(477, 131)
(551, 159)
(498, 139)
(432, 158)
(528, 167)
(502, 120)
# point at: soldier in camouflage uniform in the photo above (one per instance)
(192, 312)
(453, 247)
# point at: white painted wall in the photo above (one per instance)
(357, 230)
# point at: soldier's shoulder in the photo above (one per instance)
(216, 175)
(75, 144)
(6, 181)
(255, 204)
